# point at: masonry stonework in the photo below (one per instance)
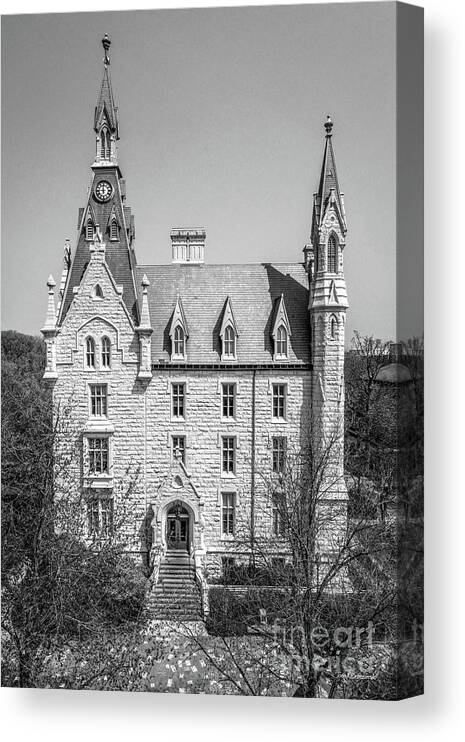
(142, 359)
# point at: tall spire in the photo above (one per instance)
(328, 178)
(106, 113)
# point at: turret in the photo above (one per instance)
(328, 305)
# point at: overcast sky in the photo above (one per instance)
(221, 124)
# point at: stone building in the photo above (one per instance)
(195, 376)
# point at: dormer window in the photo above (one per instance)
(114, 230)
(228, 333)
(178, 342)
(178, 333)
(332, 254)
(89, 230)
(229, 343)
(90, 352)
(281, 331)
(281, 342)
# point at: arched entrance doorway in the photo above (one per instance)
(177, 527)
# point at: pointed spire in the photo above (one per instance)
(329, 185)
(50, 320)
(145, 314)
(106, 113)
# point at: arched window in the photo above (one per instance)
(97, 292)
(178, 342)
(106, 352)
(333, 328)
(89, 230)
(105, 144)
(90, 352)
(229, 343)
(281, 342)
(332, 254)
(114, 230)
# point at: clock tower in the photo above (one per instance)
(106, 212)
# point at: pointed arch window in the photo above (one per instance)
(90, 352)
(179, 342)
(332, 254)
(333, 328)
(229, 343)
(281, 342)
(114, 229)
(106, 352)
(89, 230)
(97, 292)
(105, 144)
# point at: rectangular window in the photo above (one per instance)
(279, 453)
(100, 517)
(178, 400)
(279, 401)
(179, 447)
(98, 400)
(98, 455)
(279, 514)
(228, 455)
(228, 515)
(229, 399)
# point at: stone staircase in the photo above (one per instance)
(176, 596)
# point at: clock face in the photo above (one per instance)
(103, 190)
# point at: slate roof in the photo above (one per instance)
(253, 289)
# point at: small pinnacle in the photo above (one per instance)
(51, 282)
(106, 41)
(145, 281)
(328, 126)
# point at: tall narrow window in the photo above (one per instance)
(100, 516)
(90, 352)
(178, 400)
(179, 447)
(279, 401)
(106, 352)
(228, 465)
(279, 453)
(281, 342)
(228, 514)
(105, 144)
(113, 230)
(98, 455)
(333, 328)
(332, 254)
(279, 515)
(229, 343)
(178, 342)
(229, 400)
(89, 230)
(98, 400)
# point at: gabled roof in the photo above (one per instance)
(280, 317)
(178, 318)
(228, 318)
(252, 290)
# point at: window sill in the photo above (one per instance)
(98, 481)
(228, 475)
(99, 425)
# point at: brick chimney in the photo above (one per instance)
(188, 245)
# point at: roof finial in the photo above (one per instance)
(328, 126)
(106, 41)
